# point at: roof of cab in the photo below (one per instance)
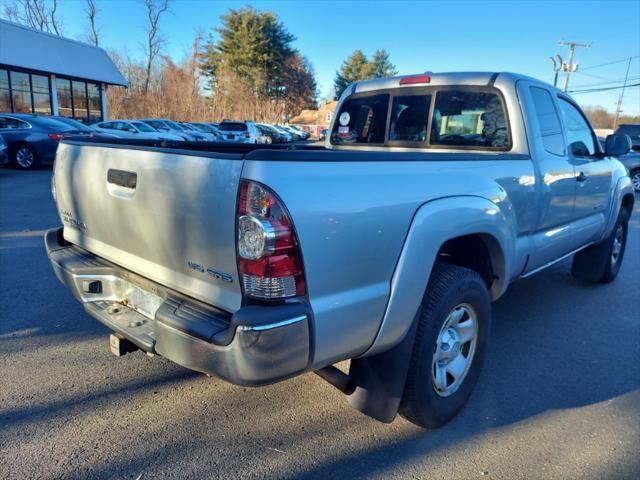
(444, 78)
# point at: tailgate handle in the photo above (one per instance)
(123, 178)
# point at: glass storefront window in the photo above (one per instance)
(79, 100)
(5, 100)
(95, 103)
(24, 92)
(65, 104)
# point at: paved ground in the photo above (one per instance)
(559, 396)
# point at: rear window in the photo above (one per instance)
(461, 118)
(631, 130)
(469, 119)
(143, 127)
(409, 117)
(233, 127)
(362, 120)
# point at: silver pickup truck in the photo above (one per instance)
(385, 247)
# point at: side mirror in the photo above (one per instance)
(617, 144)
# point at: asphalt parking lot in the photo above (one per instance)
(559, 396)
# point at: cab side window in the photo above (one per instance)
(548, 121)
(579, 135)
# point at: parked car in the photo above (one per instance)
(633, 130)
(433, 194)
(81, 128)
(133, 129)
(167, 126)
(239, 132)
(264, 135)
(290, 137)
(208, 129)
(272, 133)
(295, 134)
(32, 140)
(305, 134)
(199, 134)
(631, 161)
(323, 134)
(4, 152)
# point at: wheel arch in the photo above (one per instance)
(453, 226)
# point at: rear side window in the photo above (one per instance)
(409, 118)
(233, 127)
(548, 121)
(361, 120)
(469, 119)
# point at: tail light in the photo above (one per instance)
(247, 134)
(269, 258)
(55, 136)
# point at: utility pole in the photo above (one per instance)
(569, 67)
(624, 86)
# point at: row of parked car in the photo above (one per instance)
(29, 140)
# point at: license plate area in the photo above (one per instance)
(140, 300)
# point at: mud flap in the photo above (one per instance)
(380, 379)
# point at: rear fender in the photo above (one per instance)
(380, 374)
(433, 224)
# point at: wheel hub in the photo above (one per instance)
(454, 350)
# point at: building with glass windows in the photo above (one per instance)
(50, 75)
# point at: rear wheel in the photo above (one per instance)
(25, 157)
(450, 346)
(635, 180)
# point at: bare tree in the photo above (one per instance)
(155, 9)
(91, 12)
(37, 14)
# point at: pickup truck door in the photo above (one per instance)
(554, 176)
(593, 175)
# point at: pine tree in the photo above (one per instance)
(358, 68)
(382, 66)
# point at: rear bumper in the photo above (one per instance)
(256, 345)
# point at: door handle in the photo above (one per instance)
(581, 177)
(122, 178)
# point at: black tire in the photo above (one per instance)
(449, 287)
(25, 157)
(600, 263)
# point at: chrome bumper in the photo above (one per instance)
(254, 346)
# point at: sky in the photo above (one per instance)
(517, 36)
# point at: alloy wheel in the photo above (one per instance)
(455, 348)
(25, 157)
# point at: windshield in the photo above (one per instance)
(233, 127)
(203, 128)
(157, 124)
(143, 127)
(174, 125)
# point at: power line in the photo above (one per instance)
(577, 92)
(610, 63)
(608, 82)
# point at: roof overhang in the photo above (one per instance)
(26, 48)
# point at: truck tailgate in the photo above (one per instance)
(167, 216)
